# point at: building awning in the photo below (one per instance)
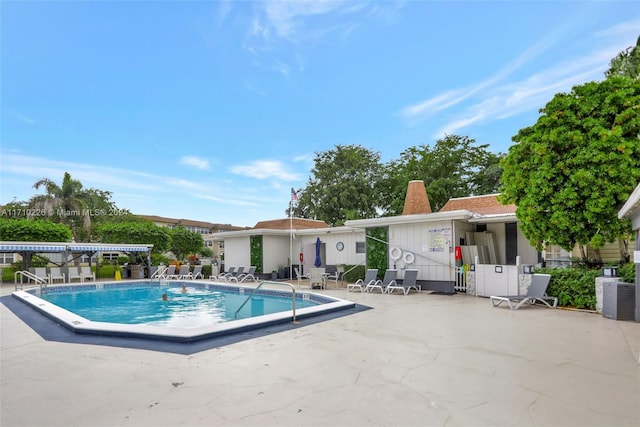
(30, 247)
(108, 248)
(72, 247)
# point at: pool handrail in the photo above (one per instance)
(293, 297)
(23, 273)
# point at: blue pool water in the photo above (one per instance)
(199, 306)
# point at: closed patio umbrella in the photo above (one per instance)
(318, 261)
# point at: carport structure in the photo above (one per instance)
(72, 251)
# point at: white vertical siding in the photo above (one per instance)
(527, 253)
(275, 252)
(433, 257)
(237, 252)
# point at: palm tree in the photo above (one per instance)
(67, 202)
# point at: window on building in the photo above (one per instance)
(110, 256)
(6, 258)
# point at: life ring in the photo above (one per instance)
(408, 258)
(301, 257)
(395, 253)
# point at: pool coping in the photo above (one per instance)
(79, 325)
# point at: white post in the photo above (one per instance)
(291, 239)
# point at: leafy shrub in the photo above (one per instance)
(377, 249)
(355, 274)
(106, 271)
(157, 259)
(206, 270)
(627, 272)
(574, 287)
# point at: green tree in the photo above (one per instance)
(66, 203)
(571, 172)
(627, 63)
(138, 232)
(185, 242)
(455, 167)
(33, 230)
(343, 186)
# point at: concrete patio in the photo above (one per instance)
(415, 360)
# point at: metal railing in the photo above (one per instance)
(30, 276)
(293, 297)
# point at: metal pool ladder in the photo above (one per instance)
(293, 297)
(23, 273)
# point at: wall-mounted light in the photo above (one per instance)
(610, 271)
(527, 269)
(498, 269)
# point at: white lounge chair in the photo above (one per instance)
(408, 283)
(74, 273)
(317, 278)
(41, 274)
(537, 292)
(238, 272)
(87, 274)
(227, 274)
(300, 276)
(167, 272)
(183, 273)
(196, 273)
(56, 274)
(370, 278)
(248, 276)
(389, 279)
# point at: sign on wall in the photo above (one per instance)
(439, 239)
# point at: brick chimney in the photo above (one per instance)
(417, 200)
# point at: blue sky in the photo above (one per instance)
(213, 110)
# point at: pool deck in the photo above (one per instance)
(414, 360)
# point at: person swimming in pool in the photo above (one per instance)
(165, 297)
(184, 289)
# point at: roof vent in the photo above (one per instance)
(417, 200)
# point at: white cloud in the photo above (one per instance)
(280, 30)
(226, 200)
(264, 169)
(196, 162)
(21, 117)
(497, 98)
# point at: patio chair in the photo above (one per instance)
(168, 272)
(408, 283)
(74, 273)
(196, 273)
(239, 272)
(86, 273)
(537, 293)
(248, 276)
(389, 279)
(370, 277)
(183, 273)
(317, 277)
(40, 273)
(300, 276)
(228, 273)
(56, 274)
(334, 274)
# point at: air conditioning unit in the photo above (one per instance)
(619, 300)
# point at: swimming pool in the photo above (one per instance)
(206, 310)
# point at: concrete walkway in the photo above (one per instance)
(415, 360)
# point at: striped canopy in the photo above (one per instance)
(73, 247)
